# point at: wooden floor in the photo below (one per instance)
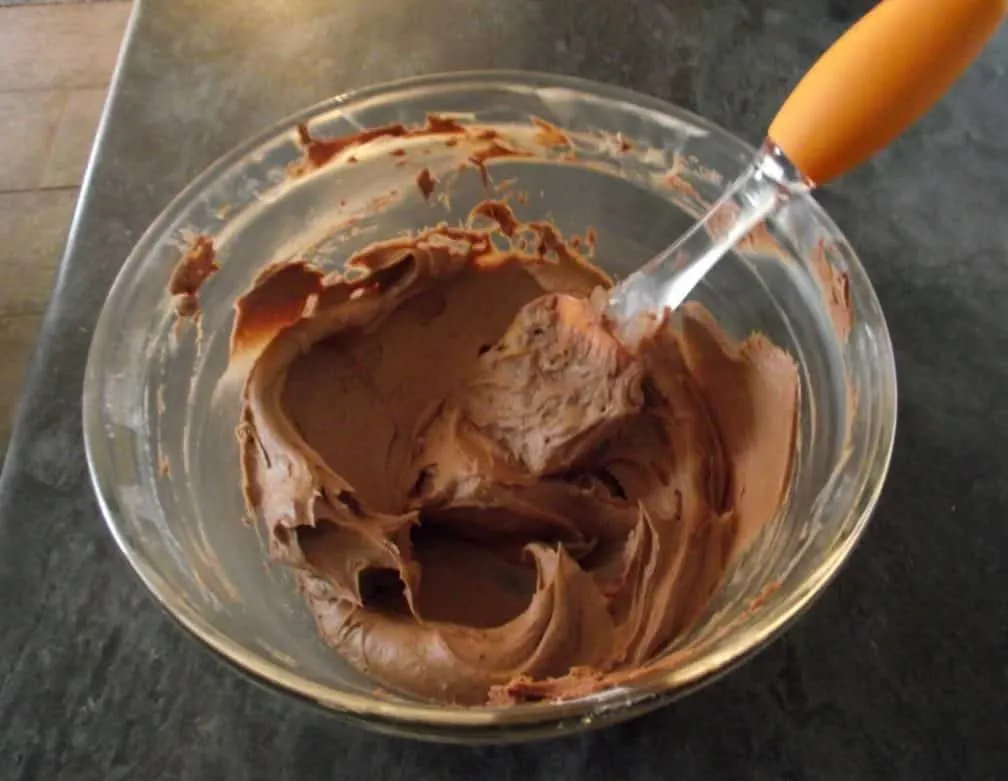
(55, 65)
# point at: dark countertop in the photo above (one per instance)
(899, 671)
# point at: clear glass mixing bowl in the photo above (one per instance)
(160, 437)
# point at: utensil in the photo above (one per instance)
(876, 80)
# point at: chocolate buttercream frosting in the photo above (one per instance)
(487, 496)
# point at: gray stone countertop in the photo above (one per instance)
(898, 672)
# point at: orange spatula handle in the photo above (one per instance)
(883, 74)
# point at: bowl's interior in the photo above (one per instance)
(160, 431)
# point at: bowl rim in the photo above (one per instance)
(434, 720)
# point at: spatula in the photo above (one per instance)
(877, 79)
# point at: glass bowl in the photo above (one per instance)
(160, 433)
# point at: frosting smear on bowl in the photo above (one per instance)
(488, 497)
